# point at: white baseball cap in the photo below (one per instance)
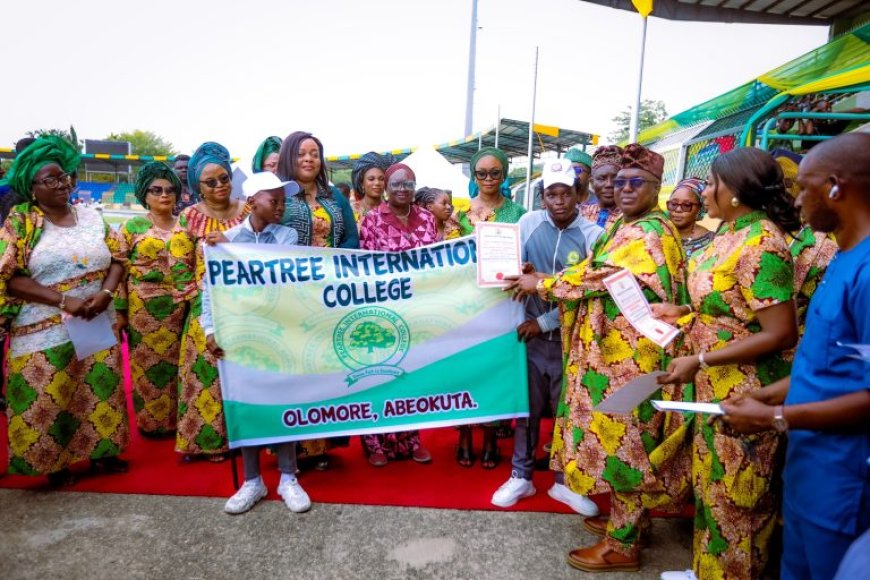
(558, 171)
(266, 180)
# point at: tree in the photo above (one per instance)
(651, 113)
(371, 335)
(144, 142)
(70, 135)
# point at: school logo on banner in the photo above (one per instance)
(371, 341)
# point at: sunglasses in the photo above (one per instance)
(482, 174)
(579, 170)
(400, 185)
(635, 182)
(158, 191)
(682, 205)
(213, 182)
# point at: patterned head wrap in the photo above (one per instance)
(206, 154)
(270, 145)
(366, 162)
(148, 173)
(636, 156)
(788, 162)
(575, 155)
(473, 188)
(607, 155)
(44, 150)
(696, 185)
(396, 167)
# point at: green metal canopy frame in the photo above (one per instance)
(512, 137)
(844, 58)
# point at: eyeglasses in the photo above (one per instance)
(399, 185)
(482, 174)
(55, 182)
(635, 182)
(213, 182)
(578, 171)
(158, 191)
(682, 205)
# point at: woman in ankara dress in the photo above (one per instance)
(604, 453)
(152, 319)
(322, 217)
(811, 251)
(266, 157)
(59, 260)
(395, 226)
(685, 208)
(741, 287)
(368, 183)
(490, 203)
(201, 427)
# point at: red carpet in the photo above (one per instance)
(155, 468)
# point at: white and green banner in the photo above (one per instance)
(321, 342)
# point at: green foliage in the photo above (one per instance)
(70, 135)
(144, 142)
(341, 176)
(651, 113)
(370, 335)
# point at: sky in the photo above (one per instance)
(361, 75)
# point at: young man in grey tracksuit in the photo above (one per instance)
(553, 239)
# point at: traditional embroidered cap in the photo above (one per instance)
(636, 156)
(558, 171)
(607, 155)
(267, 180)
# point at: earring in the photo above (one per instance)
(834, 191)
(735, 202)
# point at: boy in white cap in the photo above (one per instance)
(266, 194)
(553, 239)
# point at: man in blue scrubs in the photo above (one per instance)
(825, 404)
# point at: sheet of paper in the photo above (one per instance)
(709, 408)
(629, 298)
(498, 253)
(90, 336)
(862, 350)
(627, 397)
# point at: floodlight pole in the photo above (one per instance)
(529, 201)
(635, 113)
(472, 57)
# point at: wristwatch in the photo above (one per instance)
(701, 362)
(779, 422)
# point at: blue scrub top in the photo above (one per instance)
(826, 473)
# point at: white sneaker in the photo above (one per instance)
(294, 496)
(579, 503)
(679, 575)
(252, 491)
(512, 491)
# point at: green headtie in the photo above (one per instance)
(148, 173)
(497, 153)
(266, 148)
(46, 149)
(579, 156)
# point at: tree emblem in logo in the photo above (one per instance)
(371, 341)
(371, 335)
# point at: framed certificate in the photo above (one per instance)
(498, 253)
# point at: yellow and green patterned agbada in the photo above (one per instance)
(610, 453)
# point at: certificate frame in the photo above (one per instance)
(486, 231)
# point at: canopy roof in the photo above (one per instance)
(513, 139)
(819, 12)
(843, 62)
